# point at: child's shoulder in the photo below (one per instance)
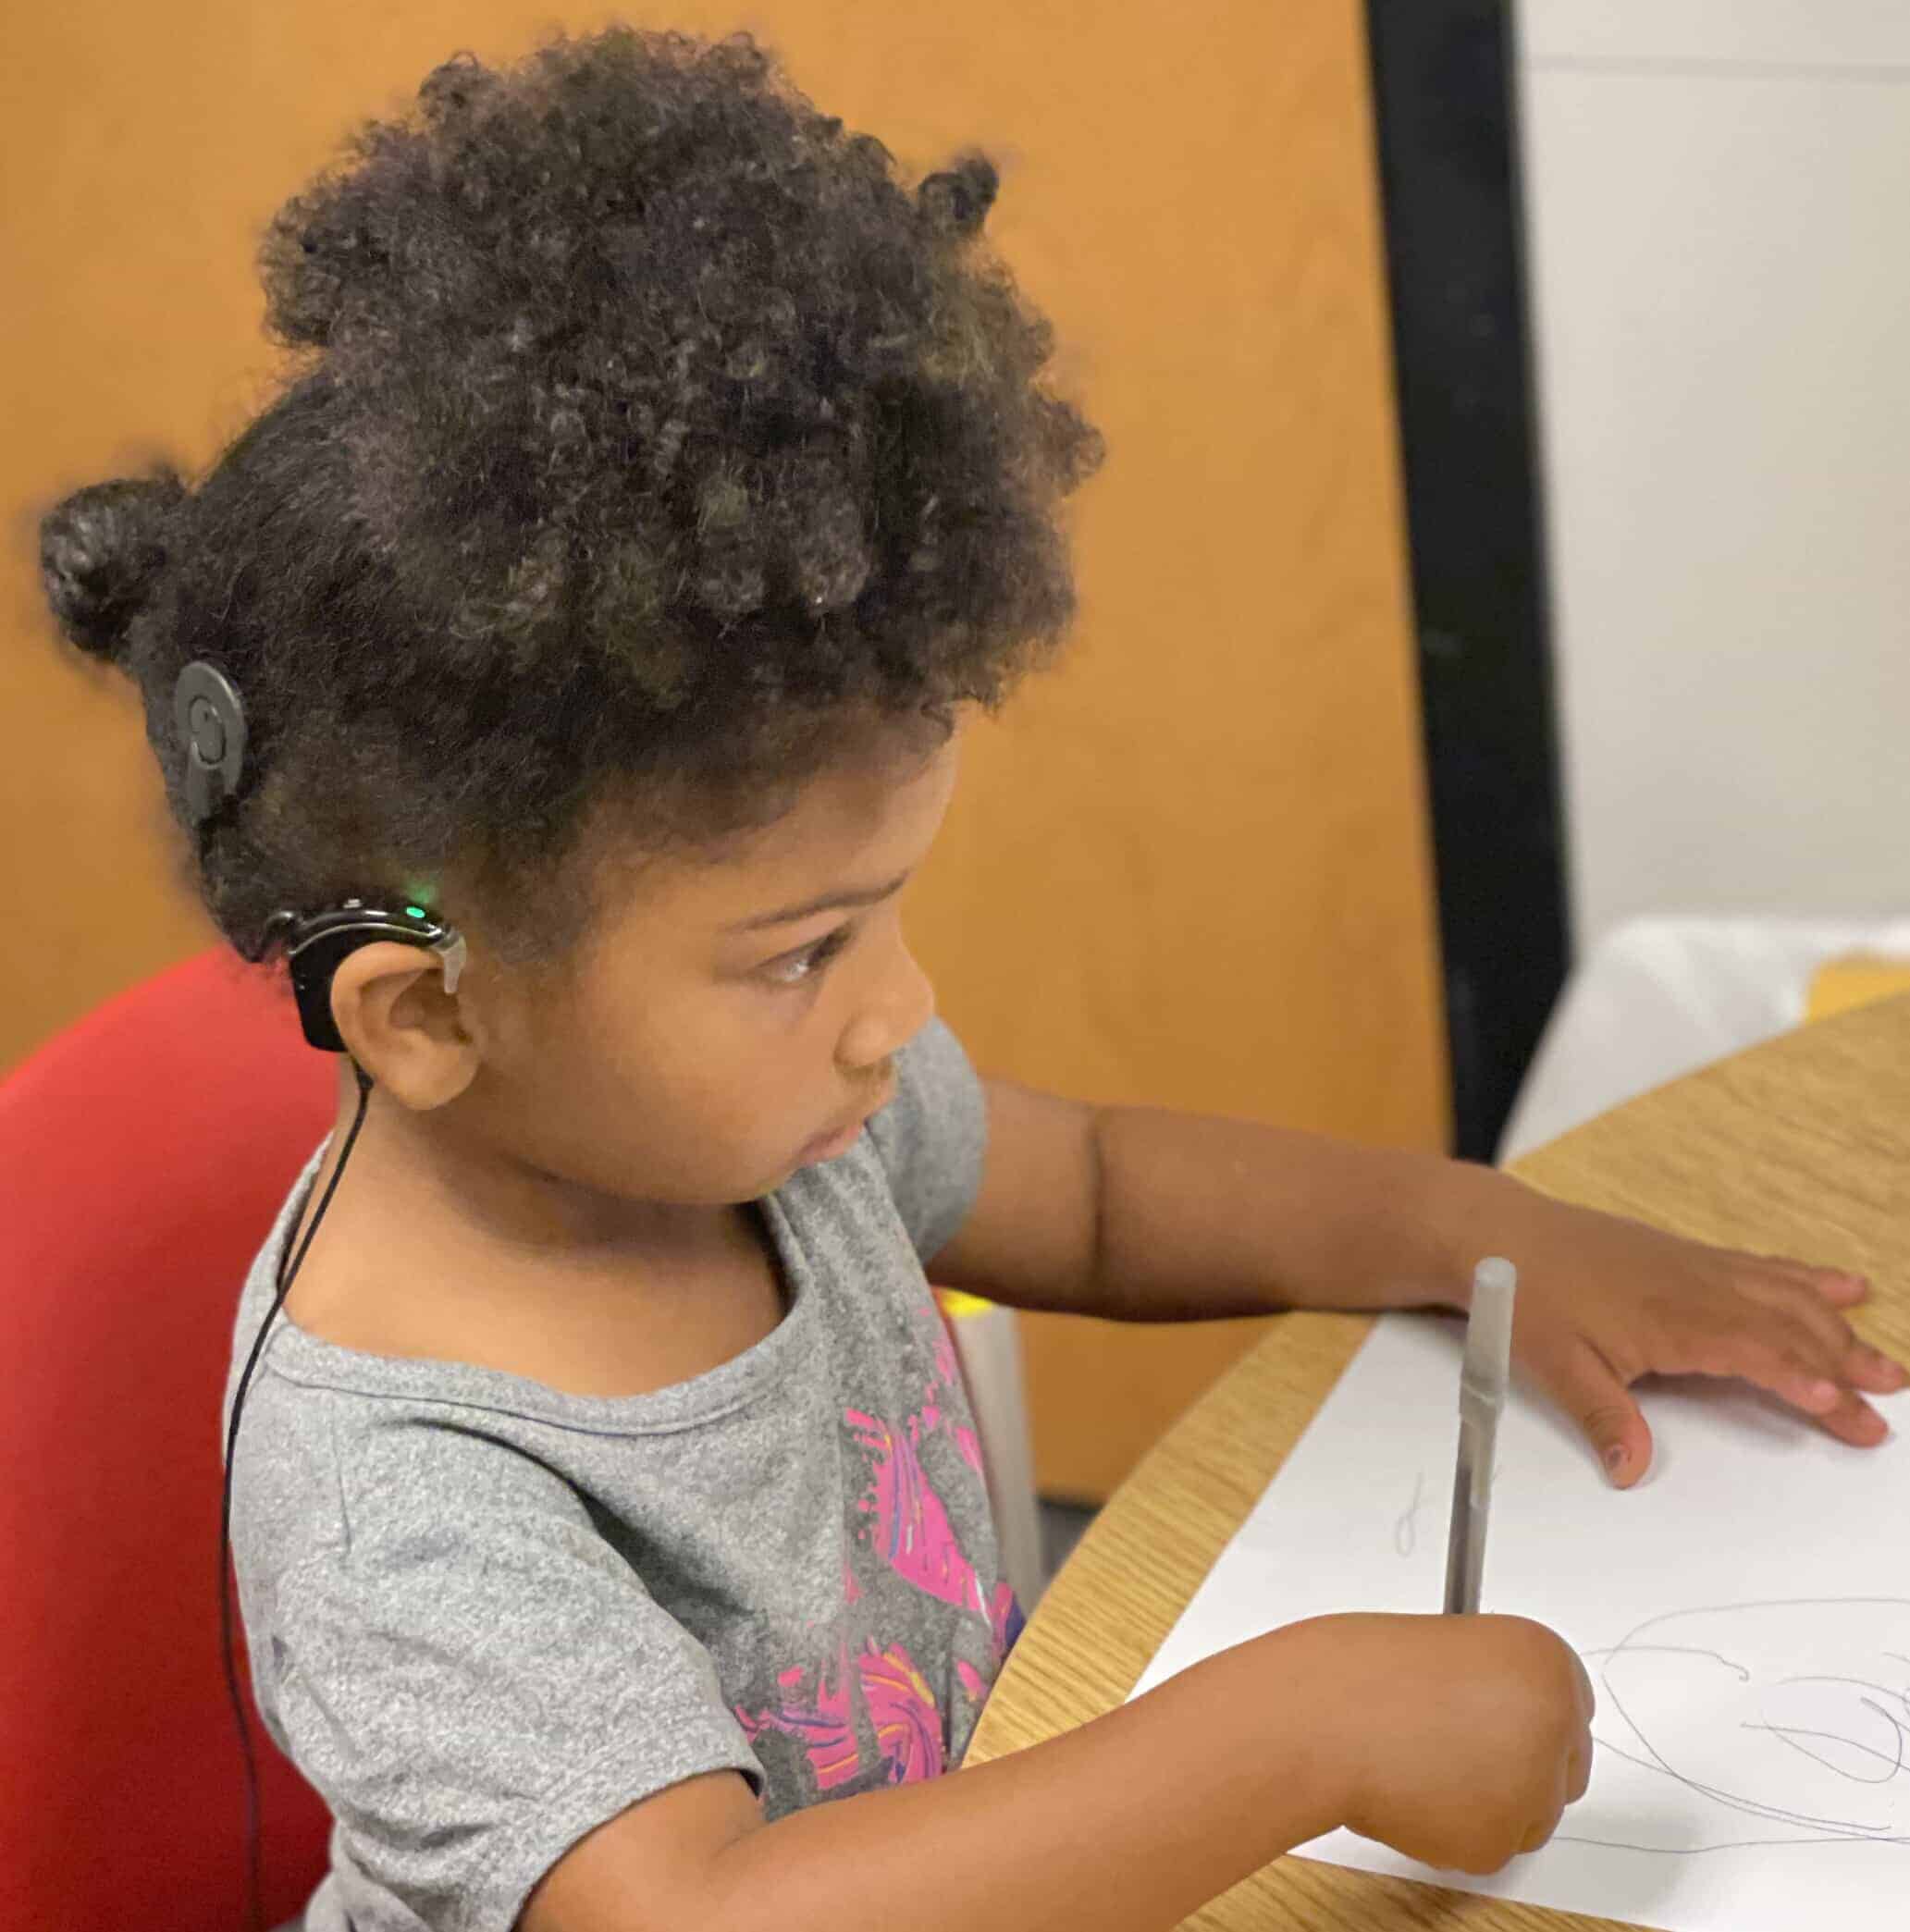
(594, 1336)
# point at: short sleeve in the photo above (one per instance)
(476, 1680)
(931, 1137)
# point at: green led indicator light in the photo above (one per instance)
(417, 912)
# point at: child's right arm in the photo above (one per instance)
(1458, 1740)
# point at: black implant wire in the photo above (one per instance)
(254, 1888)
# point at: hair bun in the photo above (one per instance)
(101, 551)
(958, 199)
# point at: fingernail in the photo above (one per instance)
(1615, 1457)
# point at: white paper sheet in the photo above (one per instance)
(1744, 1613)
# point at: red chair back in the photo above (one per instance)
(145, 1153)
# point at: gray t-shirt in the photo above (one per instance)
(485, 1616)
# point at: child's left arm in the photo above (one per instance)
(1142, 1214)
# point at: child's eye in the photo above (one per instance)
(795, 968)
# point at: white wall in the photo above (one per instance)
(1718, 244)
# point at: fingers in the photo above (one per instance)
(1815, 1295)
(1797, 1303)
(1840, 1289)
(1578, 1763)
(1572, 1786)
(1843, 1286)
(1784, 1353)
(1830, 1393)
(1570, 1789)
(1871, 1369)
(1860, 1365)
(1789, 1343)
(1822, 1373)
(1792, 1377)
(1541, 1831)
(1585, 1386)
(1855, 1422)
(1841, 1355)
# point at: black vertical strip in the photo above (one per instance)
(1443, 108)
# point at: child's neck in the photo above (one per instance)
(433, 1247)
(432, 1184)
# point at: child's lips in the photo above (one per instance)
(830, 1146)
(839, 1140)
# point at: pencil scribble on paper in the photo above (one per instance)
(1788, 1713)
(1406, 1530)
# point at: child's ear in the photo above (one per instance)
(400, 1025)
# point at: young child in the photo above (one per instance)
(660, 487)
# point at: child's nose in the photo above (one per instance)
(904, 1004)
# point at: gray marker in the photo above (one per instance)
(1482, 1395)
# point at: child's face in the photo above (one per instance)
(714, 1030)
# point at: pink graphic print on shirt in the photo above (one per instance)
(912, 1529)
(948, 1376)
(901, 1710)
(820, 1722)
(912, 1532)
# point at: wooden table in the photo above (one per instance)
(1800, 1147)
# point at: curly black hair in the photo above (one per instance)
(643, 438)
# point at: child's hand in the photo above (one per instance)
(1603, 1300)
(1466, 1737)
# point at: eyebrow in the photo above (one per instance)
(829, 902)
